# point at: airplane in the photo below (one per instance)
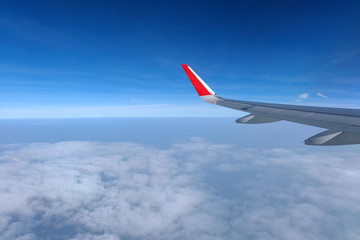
(342, 124)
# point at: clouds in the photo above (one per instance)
(321, 95)
(90, 190)
(295, 195)
(122, 189)
(303, 96)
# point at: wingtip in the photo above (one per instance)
(201, 87)
(184, 66)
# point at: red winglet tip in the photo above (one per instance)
(199, 87)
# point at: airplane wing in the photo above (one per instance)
(342, 124)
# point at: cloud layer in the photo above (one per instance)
(193, 190)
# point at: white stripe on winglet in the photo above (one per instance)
(202, 82)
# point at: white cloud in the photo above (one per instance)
(322, 95)
(303, 96)
(193, 190)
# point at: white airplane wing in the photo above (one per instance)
(342, 124)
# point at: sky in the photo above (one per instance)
(123, 58)
(104, 138)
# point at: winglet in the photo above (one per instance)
(201, 87)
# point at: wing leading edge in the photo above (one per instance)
(343, 124)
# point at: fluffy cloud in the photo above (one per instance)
(298, 195)
(197, 190)
(61, 190)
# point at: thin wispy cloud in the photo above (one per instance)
(321, 95)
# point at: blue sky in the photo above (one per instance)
(121, 58)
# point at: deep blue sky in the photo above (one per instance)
(122, 58)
